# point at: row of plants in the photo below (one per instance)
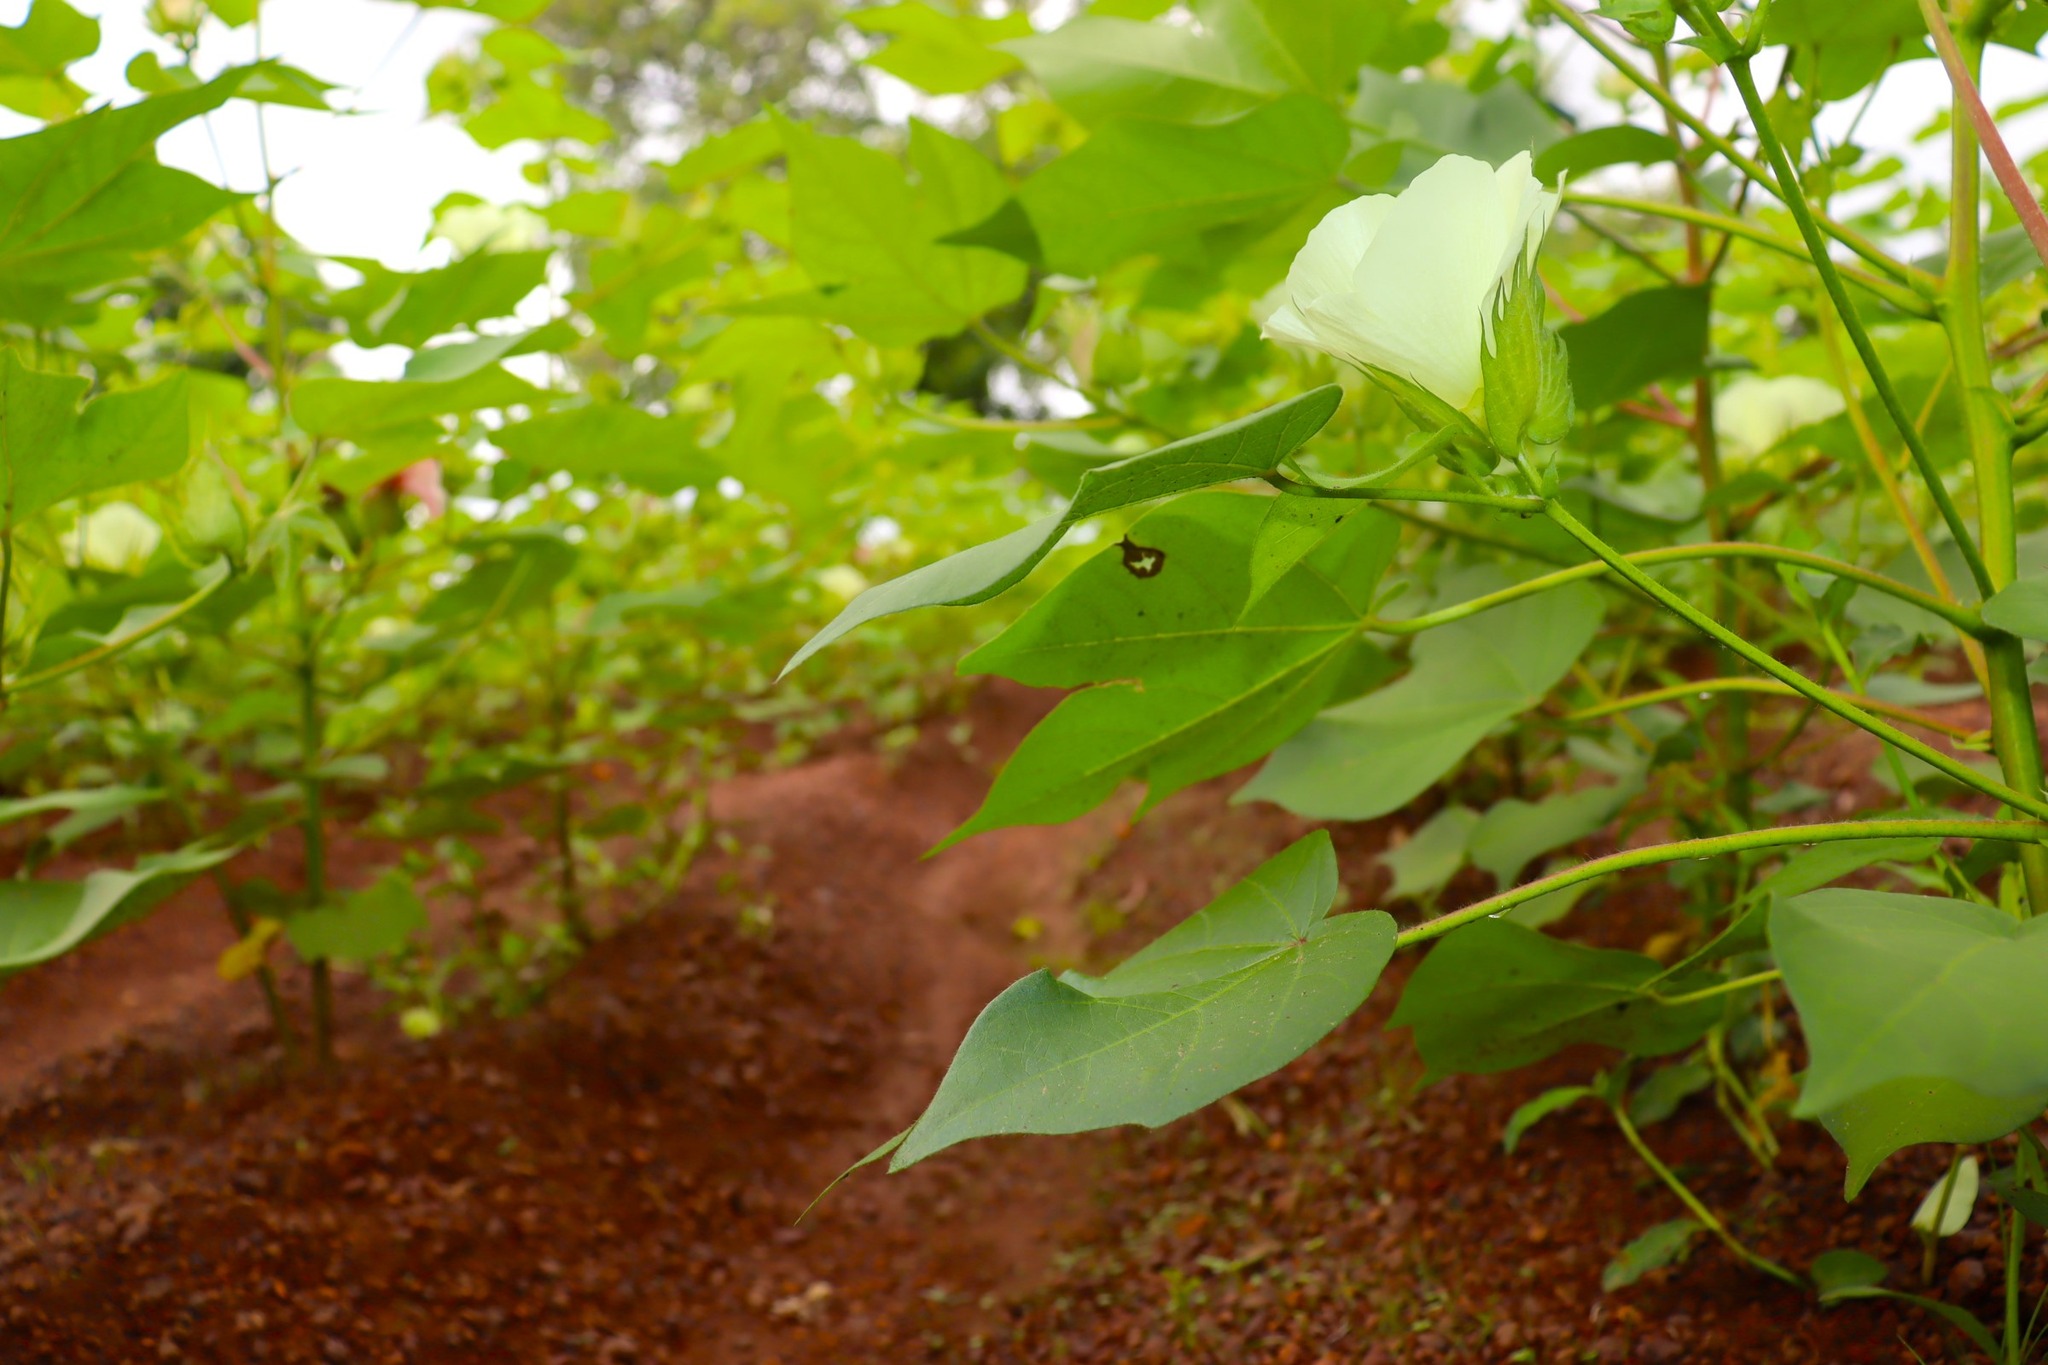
(531, 587)
(1597, 472)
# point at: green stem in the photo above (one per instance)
(1687, 690)
(1905, 300)
(1962, 618)
(1629, 71)
(1793, 192)
(6, 595)
(1368, 494)
(1742, 983)
(1693, 1205)
(2015, 737)
(312, 740)
(1969, 777)
(2010, 831)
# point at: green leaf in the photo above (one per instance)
(1376, 754)
(1621, 144)
(1099, 68)
(86, 810)
(84, 195)
(2020, 607)
(1241, 988)
(1139, 185)
(1658, 1098)
(1514, 832)
(868, 234)
(1816, 867)
(43, 920)
(1432, 117)
(1662, 1245)
(1650, 335)
(51, 450)
(366, 409)
(1246, 448)
(726, 154)
(513, 573)
(1841, 1272)
(368, 924)
(1292, 527)
(1494, 996)
(34, 53)
(1319, 45)
(528, 109)
(459, 359)
(612, 441)
(409, 310)
(1908, 1112)
(1193, 688)
(940, 54)
(1527, 1116)
(1432, 855)
(1891, 987)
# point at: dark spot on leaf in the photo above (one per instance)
(1141, 561)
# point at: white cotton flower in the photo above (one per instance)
(1406, 283)
(1753, 414)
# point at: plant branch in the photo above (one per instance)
(1964, 619)
(1995, 151)
(1371, 494)
(1792, 191)
(2031, 804)
(2009, 831)
(1768, 687)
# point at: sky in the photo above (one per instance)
(364, 185)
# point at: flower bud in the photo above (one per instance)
(1527, 375)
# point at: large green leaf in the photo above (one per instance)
(81, 197)
(1241, 988)
(393, 307)
(612, 441)
(1193, 686)
(1513, 831)
(1138, 185)
(1374, 755)
(1894, 987)
(1246, 448)
(1909, 1111)
(869, 236)
(1098, 69)
(1650, 335)
(51, 450)
(1319, 45)
(1616, 145)
(940, 54)
(369, 409)
(367, 924)
(43, 920)
(1494, 996)
(1427, 118)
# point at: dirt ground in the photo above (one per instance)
(615, 1176)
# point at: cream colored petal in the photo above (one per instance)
(1427, 276)
(1286, 324)
(1325, 263)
